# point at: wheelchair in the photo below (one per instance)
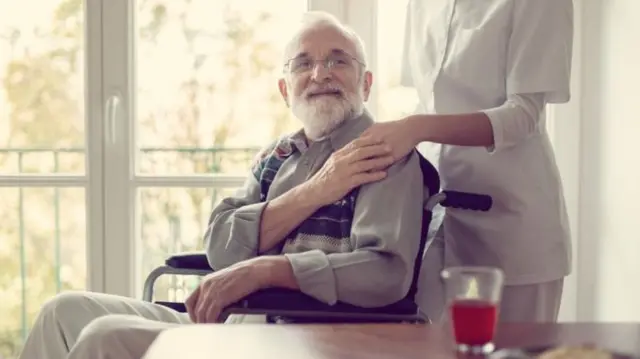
(289, 306)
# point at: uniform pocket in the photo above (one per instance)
(476, 14)
(477, 53)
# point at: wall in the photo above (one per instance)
(609, 223)
(563, 125)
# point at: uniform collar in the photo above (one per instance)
(348, 131)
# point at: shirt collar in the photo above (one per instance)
(348, 131)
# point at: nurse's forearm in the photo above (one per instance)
(472, 129)
(499, 127)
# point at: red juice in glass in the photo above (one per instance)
(474, 321)
(473, 296)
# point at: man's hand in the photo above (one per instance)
(400, 136)
(222, 288)
(361, 161)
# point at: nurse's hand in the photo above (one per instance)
(361, 161)
(399, 135)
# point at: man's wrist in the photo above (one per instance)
(274, 271)
(309, 194)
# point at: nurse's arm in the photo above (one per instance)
(503, 126)
(532, 80)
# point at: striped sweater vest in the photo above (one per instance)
(328, 229)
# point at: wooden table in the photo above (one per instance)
(370, 341)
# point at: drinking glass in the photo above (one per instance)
(473, 301)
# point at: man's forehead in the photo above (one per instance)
(323, 41)
(309, 54)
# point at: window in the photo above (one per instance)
(189, 102)
(197, 127)
(395, 101)
(121, 124)
(43, 160)
(216, 58)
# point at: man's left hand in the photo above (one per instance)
(399, 135)
(220, 289)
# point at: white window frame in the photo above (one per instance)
(118, 213)
(94, 150)
(361, 16)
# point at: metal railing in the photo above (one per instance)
(209, 158)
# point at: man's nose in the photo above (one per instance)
(320, 72)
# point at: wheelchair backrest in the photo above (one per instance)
(431, 181)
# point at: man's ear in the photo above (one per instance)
(282, 85)
(366, 84)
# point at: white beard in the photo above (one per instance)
(320, 116)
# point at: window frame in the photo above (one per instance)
(361, 16)
(95, 246)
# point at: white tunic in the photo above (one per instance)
(507, 58)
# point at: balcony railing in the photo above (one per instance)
(209, 159)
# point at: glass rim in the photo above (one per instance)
(472, 270)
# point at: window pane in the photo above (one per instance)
(395, 101)
(42, 252)
(42, 86)
(206, 77)
(172, 220)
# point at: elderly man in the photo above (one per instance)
(317, 214)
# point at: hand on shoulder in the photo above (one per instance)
(399, 135)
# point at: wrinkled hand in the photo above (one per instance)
(220, 289)
(361, 161)
(399, 135)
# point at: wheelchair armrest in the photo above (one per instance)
(276, 300)
(193, 260)
(292, 304)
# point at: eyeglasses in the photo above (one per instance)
(336, 60)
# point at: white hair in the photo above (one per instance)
(318, 19)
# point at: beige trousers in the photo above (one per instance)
(86, 325)
(539, 302)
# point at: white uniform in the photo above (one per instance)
(508, 58)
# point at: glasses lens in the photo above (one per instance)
(339, 60)
(300, 64)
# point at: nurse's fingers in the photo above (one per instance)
(372, 134)
(372, 164)
(363, 153)
(360, 142)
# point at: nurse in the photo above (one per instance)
(485, 71)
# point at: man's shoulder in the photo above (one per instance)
(409, 164)
(403, 171)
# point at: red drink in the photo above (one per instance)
(474, 321)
